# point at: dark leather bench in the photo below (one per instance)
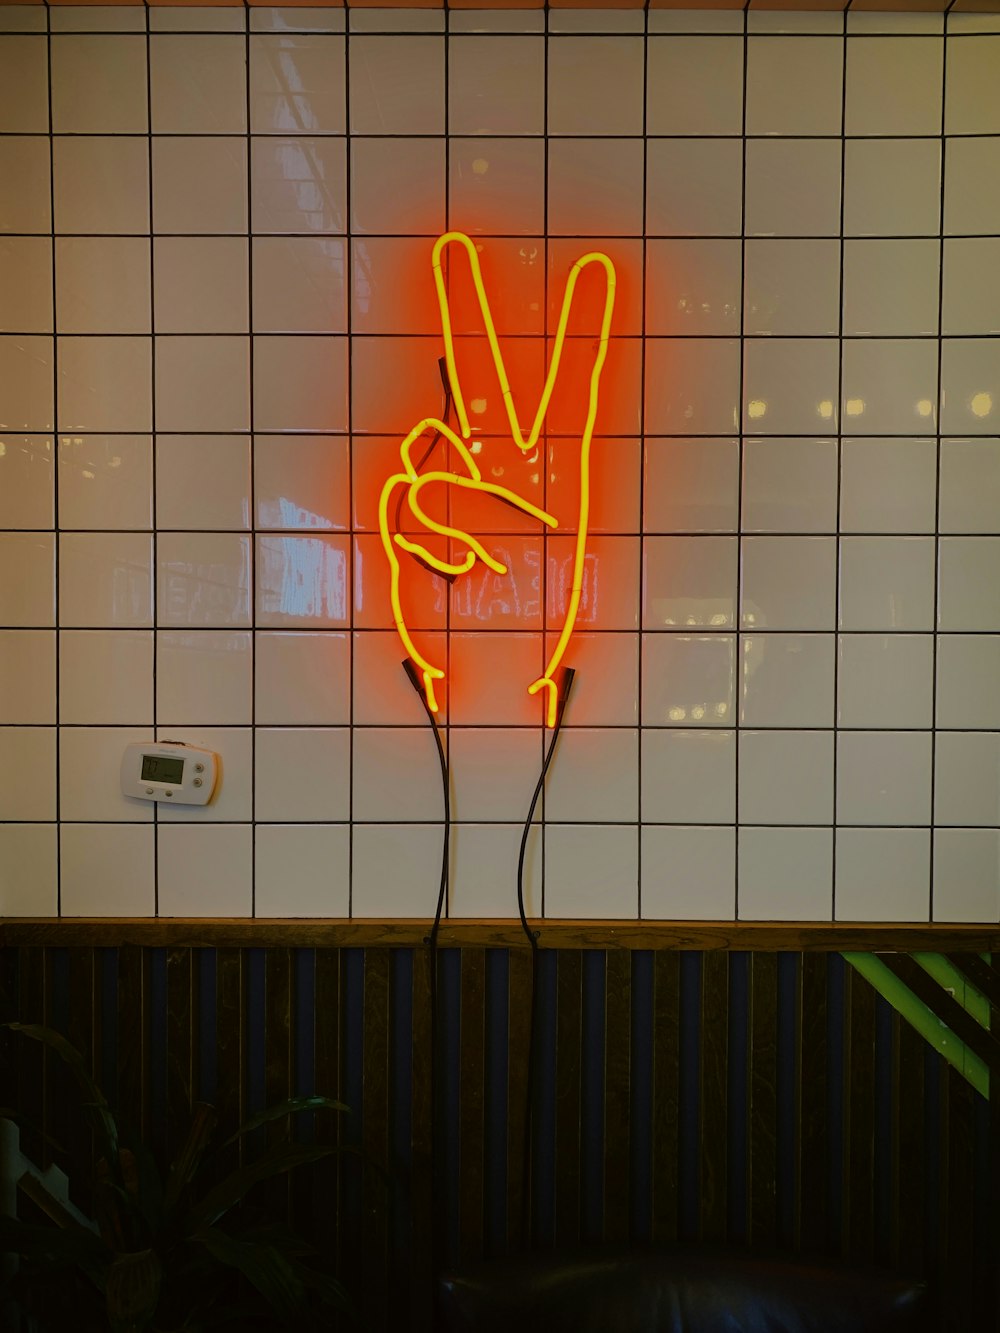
(679, 1291)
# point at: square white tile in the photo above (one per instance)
(198, 83)
(100, 184)
(203, 482)
(966, 882)
(497, 185)
(203, 580)
(301, 481)
(892, 187)
(885, 680)
(884, 777)
(302, 581)
(694, 187)
(788, 583)
(972, 103)
(199, 185)
(888, 485)
(786, 777)
(790, 385)
(791, 287)
(785, 874)
(692, 386)
(302, 870)
(107, 870)
(397, 84)
(302, 678)
(792, 187)
(572, 795)
(483, 879)
(883, 874)
(967, 778)
(29, 875)
(967, 667)
(205, 870)
(203, 677)
(691, 485)
(105, 579)
(592, 871)
(694, 85)
(202, 383)
(27, 774)
(105, 384)
(972, 186)
(688, 680)
(299, 285)
(971, 289)
(395, 870)
(692, 287)
(495, 770)
(495, 85)
(302, 774)
(595, 187)
(969, 583)
(98, 83)
(395, 775)
(26, 383)
(300, 383)
(889, 385)
(893, 85)
(201, 284)
(970, 485)
(970, 387)
(794, 85)
(689, 582)
(106, 677)
(297, 84)
(891, 287)
(887, 583)
(27, 579)
(789, 485)
(298, 185)
(25, 192)
(787, 680)
(688, 776)
(26, 274)
(616, 65)
(102, 284)
(27, 676)
(688, 873)
(232, 798)
(105, 481)
(90, 776)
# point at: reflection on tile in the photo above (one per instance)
(692, 386)
(301, 481)
(689, 582)
(105, 579)
(297, 84)
(203, 579)
(397, 85)
(688, 680)
(790, 386)
(788, 583)
(787, 680)
(27, 490)
(890, 385)
(26, 383)
(302, 581)
(298, 185)
(105, 481)
(497, 185)
(970, 389)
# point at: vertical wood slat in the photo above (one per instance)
(375, 1135)
(714, 1055)
(812, 1167)
(325, 1177)
(32, 1064)
(422, 1216)
(666, 1106)
(472, 1099)
(519, 991)
(230, 1023)
(858, 1172)
(763, 1099)
(993, 1238)
(84, 1033)
(133, 1041)
(279, 1057)
(617, 1118)
(181, 1043)
(569, 1036)
(908, 1196)
(957, 1208)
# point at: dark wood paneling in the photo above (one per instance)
(763, 1110)
(375, 1136)
(665, 1099)
(472, 1097)
(569, 1039)
(806, 936)
(617, 1111)
(421, 1246)
(519, 989)
(859, 1119)
(813, 1173)
(714, 1055)
(908, 1154)
(182, 1018)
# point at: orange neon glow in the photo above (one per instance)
(415, 481)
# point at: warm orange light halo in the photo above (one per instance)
(415, 482)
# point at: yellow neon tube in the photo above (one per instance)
(524, 441)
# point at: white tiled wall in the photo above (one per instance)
(216, 322)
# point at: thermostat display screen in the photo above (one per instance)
(158, 768)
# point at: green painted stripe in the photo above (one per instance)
(958, 986)
(920, 1017)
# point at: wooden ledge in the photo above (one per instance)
(797, 936)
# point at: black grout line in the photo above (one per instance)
(155, 590)
(252, 460)
(737, 704)
(840, 454)
(351, 557)
(643, 297)
(55, 454)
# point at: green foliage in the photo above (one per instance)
(172, 1254)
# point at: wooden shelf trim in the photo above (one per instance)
(798, 936)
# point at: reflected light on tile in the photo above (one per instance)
(756, 409)
(981, 404)
(825, 409)
(854, 407)
(303, 578)
(925, 407)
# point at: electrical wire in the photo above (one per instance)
(532, 935)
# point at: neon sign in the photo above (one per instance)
(413, 481)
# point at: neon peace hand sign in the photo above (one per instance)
(413, 481)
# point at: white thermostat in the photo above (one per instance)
(169, 771)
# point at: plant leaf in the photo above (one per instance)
(95, 1103)
(231, 1190)
(263, 1265)
(281, 1109)
(185, 1165)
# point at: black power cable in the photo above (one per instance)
(564, 693)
